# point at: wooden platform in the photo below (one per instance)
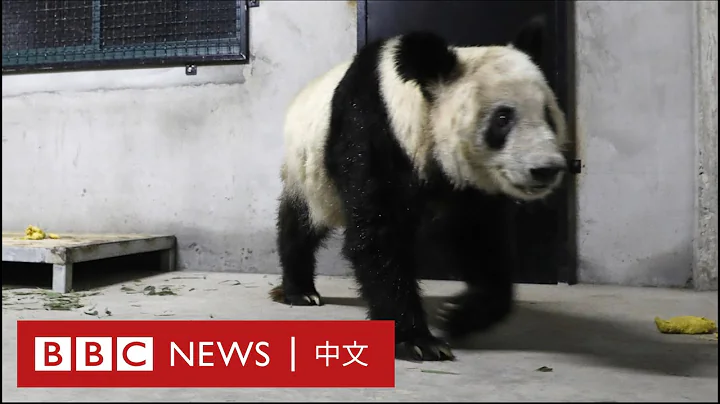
(69, 249)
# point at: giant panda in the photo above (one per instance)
(415, 147)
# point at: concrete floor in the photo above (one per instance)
(601, 342)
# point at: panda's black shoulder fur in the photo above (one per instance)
(361, 148)
(361, 136)
(423, 57)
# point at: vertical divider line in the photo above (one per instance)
(292, 354)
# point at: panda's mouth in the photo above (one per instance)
(531, 190)
(524, 190)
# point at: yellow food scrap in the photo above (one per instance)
(36, 233)
(685, 325)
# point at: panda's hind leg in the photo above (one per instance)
(297, 242)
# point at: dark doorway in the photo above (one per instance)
(545, 230)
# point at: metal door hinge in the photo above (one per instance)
(576, 166)
(253, 3)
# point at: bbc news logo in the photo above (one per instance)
(95, 353)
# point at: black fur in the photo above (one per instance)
(532, 39)
(394, 220)
(425, 58)
(383, 203)
(297, 243)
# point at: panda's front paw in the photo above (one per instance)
(456, 320)
(424, 348)
(472, 311)
(309, 298)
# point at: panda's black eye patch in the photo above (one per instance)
(500, 125)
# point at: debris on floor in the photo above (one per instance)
(149, 291)
(40, 299)
(544, 369)
(165, 314)
(64, 303)
(164, 291)
(685, 325)
(438, 372)
(36, 233)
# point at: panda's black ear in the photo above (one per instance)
(426, 58)
(532, 38)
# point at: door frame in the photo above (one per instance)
(564, 33)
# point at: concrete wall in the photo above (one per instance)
(637, 91)
(706, 83)
(158, 151)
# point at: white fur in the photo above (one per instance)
(408, 109)
(306, 128)
(449, 129)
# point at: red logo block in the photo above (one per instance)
(96, 353)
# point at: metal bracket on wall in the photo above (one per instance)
(576, 166)
(191, 69)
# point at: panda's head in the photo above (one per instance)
(495, 121)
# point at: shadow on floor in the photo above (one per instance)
(87, 275)
(621, 344)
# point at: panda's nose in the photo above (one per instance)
(546, 174)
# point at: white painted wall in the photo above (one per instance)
(198, 156)
(636, 109)
(157, 151)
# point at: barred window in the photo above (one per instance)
(89, 34)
